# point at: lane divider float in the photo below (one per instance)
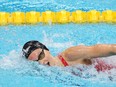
(61, 17)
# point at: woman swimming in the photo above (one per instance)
(36, 51)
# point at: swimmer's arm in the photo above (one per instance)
(100, 50)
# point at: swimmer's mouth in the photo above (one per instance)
(48, 64)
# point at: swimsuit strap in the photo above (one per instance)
(63, 60)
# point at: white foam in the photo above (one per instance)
(9, 61)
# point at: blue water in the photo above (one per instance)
(56, 5)
(15, 71)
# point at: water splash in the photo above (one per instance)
(65, 75)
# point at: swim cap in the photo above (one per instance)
(30, 46)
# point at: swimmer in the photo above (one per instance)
(36, 51)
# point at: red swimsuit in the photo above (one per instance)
(63, 60)
(100, 66)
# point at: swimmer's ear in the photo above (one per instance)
(87, 61)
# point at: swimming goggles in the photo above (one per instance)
(41, 55)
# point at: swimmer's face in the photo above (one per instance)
(42, 56)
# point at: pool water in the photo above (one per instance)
(15, 71)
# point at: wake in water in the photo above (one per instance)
(66, 75)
